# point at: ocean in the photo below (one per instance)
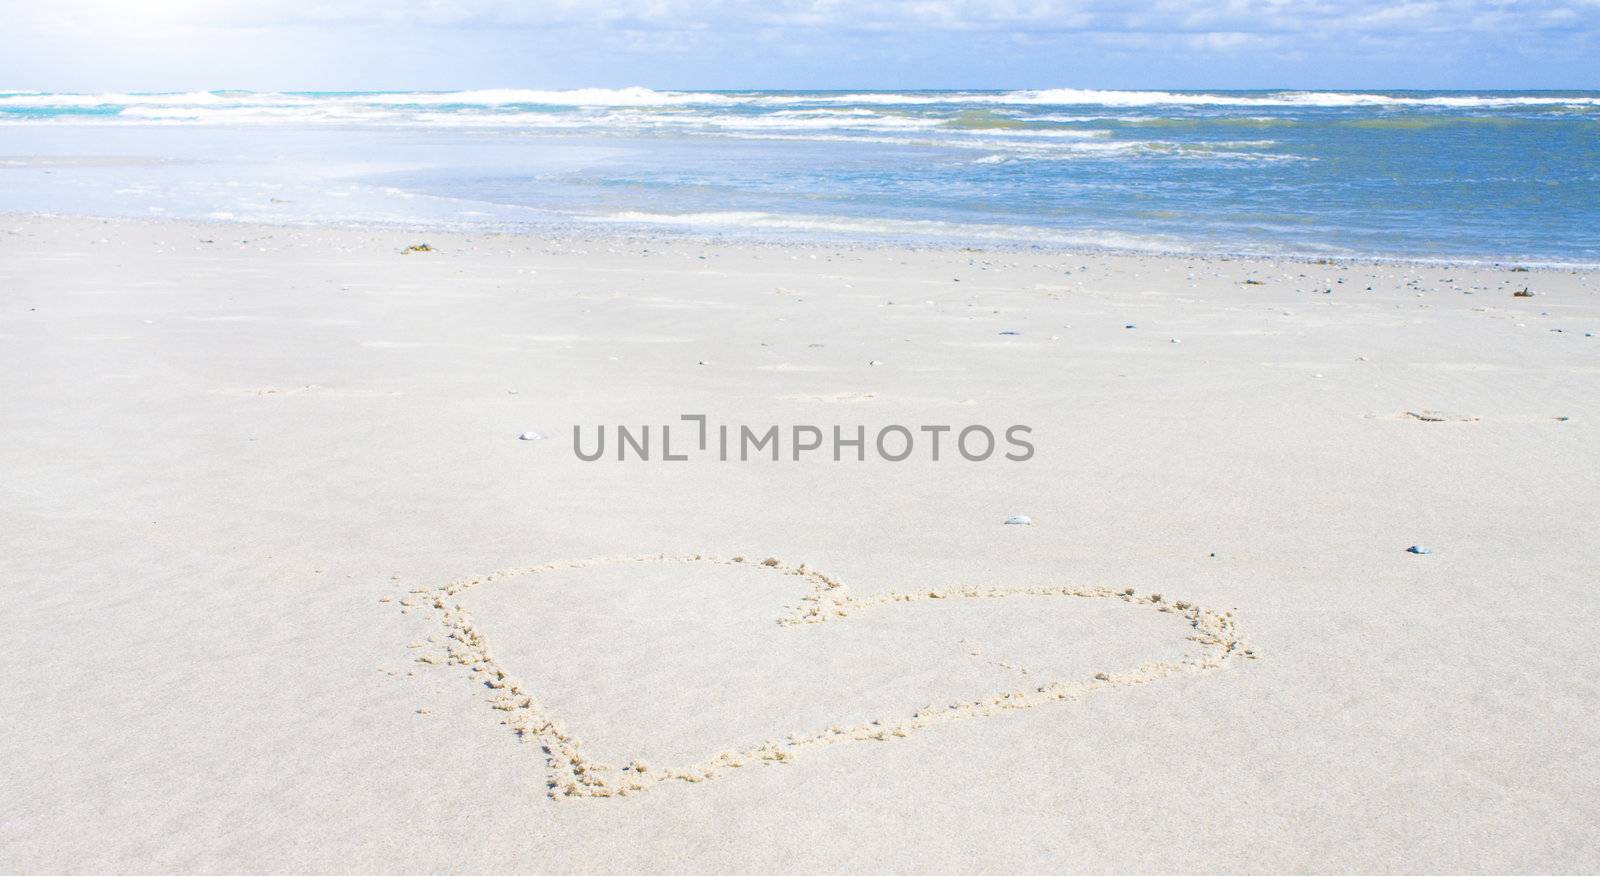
(1455, 176)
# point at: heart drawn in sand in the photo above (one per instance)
(574, 773)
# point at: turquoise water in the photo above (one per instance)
(1447, 175)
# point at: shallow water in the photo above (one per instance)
(1451, 175)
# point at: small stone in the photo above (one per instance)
(1010, 332)
(1019, 520)
(1525, 293)
(1418, 549)
(530, 436)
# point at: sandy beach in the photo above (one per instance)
(302, 571)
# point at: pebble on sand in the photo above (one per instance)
(1019, 520)
(530, 436)
(1418, 549)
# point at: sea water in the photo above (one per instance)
(1418, 175)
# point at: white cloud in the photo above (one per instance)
(803, 43)
(1309, 17)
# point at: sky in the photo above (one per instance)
(264, 45)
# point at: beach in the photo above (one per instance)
(259, 480)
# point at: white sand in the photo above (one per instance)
(225, 465)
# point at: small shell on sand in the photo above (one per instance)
(1418, 549)
(530, 436)
(1019, 520)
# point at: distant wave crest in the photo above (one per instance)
(640, 97)
(1081, 97)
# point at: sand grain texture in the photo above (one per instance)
(229, 464)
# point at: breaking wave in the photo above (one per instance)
(640, 97)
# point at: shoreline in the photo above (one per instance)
(597, 236)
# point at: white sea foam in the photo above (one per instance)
(775, 121)
(970, 140)
(1041, 133)
(634, 96)
(1093, 97)
(43, 100)
(1008, 150)
(639, 97)
(898, 228)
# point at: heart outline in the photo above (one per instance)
(572, 774)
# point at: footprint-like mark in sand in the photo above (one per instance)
(843, 398)
(575, 772)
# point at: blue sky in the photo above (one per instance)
(96, 45)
